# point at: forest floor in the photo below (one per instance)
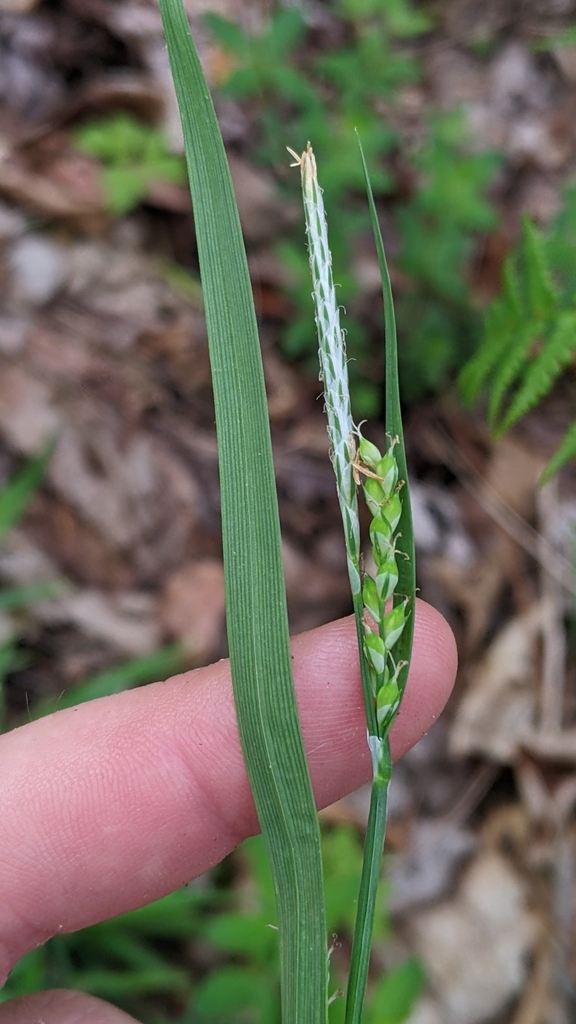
(103, 345)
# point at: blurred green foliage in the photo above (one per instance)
(21, 488)
(297, 93)
(133, 156)
(15, 497)
(129, 960)
(529, 334)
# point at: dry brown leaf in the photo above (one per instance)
(192, 607)
(134, 491)
(559, 747)
(74, 193)
(475, 946)
(28, 415)
(499, 707)
(124, 621)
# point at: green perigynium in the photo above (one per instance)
(384, 501)
(383, 497)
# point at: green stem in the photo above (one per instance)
(371, 866)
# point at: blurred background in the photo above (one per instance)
(110, 556)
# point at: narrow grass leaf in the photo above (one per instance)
(255, 593)
(159, 664)
(18, 493)
(31, 593)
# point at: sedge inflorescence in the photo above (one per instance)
(380, 626)
(383, 600)
(382, 492)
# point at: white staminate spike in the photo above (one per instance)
(333, 363)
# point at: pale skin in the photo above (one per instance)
(110, 805)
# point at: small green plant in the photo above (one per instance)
(133, 156)
(556, 40)
(529, 335)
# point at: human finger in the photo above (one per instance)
(57, 1006)
(114, 803)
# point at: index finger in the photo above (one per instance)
(117, 802)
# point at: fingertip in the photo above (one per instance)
(62, 1006)
(327, 676)
(120, 800)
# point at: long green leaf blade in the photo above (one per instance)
(159, 664)
(407, 562)
(255, 594)
(18, 493)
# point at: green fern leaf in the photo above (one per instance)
(503, 319)
(540, 290)
(511, 288)
(528, 310)
(516, 349)
(557, 352)
(473, 377)
(564, 453)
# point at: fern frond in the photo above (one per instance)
(503, 320)
(475, 373)
(528, 310)
(557, 352)
(511, 288)
(515, 349)
(562, 455)
(540, 291)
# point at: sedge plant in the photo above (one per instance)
(256, 613)
(383, 602)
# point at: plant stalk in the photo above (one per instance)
(371, 868)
